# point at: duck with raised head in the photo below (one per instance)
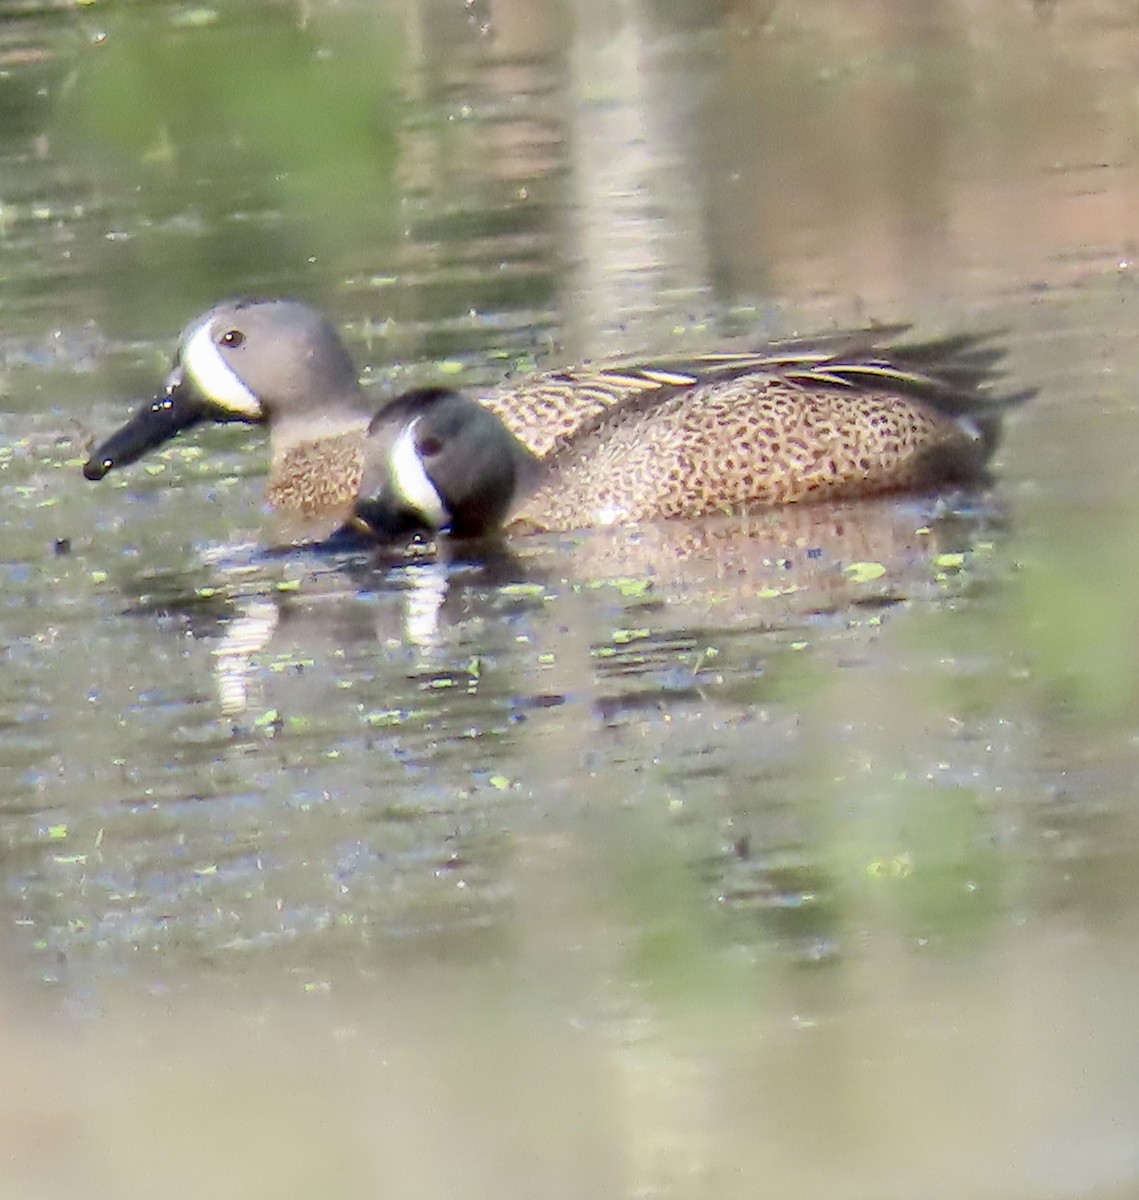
(838, 416)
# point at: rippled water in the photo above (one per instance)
(791, 853)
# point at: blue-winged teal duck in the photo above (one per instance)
(841, 415)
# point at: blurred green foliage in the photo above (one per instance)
(268, 135)
(1078, 638)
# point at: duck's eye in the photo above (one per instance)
(232, 337)
(430, 445)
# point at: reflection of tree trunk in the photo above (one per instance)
(570, 133)
(481, 174)
(629, 117)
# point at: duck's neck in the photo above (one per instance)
(344, 420)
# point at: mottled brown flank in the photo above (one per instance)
(544, 411)
(751, 441)
(315, 477)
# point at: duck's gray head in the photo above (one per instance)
(255, 361)
(438, 460)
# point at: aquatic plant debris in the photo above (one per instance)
(864, 572)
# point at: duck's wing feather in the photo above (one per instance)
(955, 375)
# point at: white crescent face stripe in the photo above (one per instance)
(410, 481)
(217, 381)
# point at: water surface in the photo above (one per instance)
(786, 854)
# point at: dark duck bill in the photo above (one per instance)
(153, 425)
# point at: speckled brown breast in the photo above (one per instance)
(318, 478)
(750, 441)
